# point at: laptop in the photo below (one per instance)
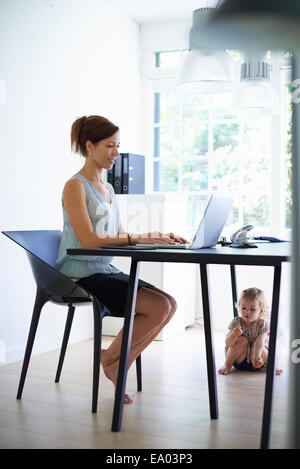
(209, 229)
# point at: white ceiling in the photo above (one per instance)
(146, 11)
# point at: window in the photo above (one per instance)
(287, 154)
(200, 145)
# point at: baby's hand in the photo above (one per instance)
(238, 331)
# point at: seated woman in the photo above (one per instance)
(91, 220)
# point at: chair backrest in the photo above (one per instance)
(41, 247)
(43, 244)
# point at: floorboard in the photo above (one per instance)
(171, 412)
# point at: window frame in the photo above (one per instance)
(155, 79)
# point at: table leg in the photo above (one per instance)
(125, 347)
(267, 412)
(233, 289)
(209, 346)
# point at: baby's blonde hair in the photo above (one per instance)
(254, 294)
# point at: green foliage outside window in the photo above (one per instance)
(288, 158)
(199, 148)
(226, 137)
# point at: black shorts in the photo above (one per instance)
(110, 289)
(246, 366)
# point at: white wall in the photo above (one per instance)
(166, 34)
(60, 59)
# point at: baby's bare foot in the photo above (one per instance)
(111, 372)
(224, 370)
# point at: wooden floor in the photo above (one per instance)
(171, 412)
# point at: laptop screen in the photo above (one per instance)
(213, 221)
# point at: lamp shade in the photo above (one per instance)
(256, 98)
(206, 72)
(255, 92)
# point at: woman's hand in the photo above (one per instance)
(155, 237)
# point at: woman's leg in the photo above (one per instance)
(154, 309)
(139, 346)
(237, 353)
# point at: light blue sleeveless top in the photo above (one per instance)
(105, 220)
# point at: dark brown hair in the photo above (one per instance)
(93, 128)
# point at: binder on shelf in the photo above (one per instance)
(127, 176)
(117, 175)
(110, 176)
(133, 173)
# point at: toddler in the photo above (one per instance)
(245, 343)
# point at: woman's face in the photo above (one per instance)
(104, 153)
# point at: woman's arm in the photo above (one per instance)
(151, 237)
(74, 198)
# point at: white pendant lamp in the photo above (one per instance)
(255, 94)
(204, 71)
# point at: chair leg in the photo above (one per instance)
(138, 364)
(97, 352)
(40, 299)
(65, 341)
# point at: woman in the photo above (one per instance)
(91, 220)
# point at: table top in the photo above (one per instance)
(271, 254)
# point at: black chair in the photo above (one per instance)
(41, 248)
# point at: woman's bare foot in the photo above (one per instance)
(224, 370)
(111, 372)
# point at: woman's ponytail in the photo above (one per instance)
(75, 134)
